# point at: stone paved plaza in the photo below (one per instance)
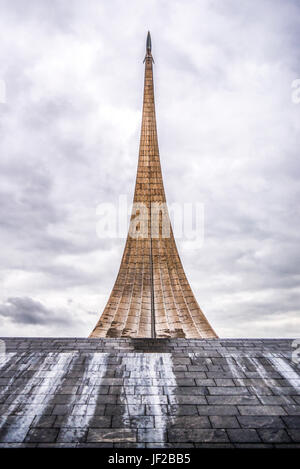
(149, 393)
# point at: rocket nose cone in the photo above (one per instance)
(148, 44)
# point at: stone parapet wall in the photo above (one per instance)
(149, 393)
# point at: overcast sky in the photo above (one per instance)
(228, 134)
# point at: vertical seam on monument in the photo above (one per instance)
(142, 289)
(153, 325)
(153, 332)
(151, 142)
(163, 290)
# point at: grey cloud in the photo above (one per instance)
(28, 311)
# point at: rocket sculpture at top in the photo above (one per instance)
(151, 296)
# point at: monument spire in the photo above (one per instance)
(151, 296)
(148, 46)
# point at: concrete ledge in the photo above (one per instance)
(144, 345)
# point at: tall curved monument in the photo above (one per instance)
(151, 296)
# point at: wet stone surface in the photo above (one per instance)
(149, 393)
